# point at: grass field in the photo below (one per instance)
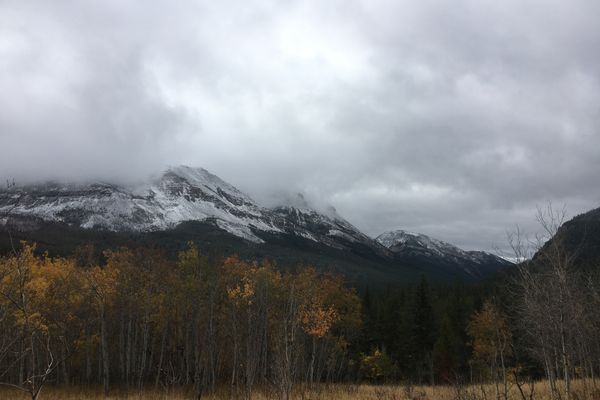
(581, 390)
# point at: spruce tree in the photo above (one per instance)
(423, 331)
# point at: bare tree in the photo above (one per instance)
(553, 301)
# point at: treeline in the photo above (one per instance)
(419, 333)
(141, 319)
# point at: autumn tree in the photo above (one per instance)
(491, 340)
(101, 282)
(195, 322)
(39, 311)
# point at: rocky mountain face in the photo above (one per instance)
(180, 194)
(428, 251)
(183, 194)
(579, 238)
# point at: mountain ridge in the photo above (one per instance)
(418, 246)
(183, 194)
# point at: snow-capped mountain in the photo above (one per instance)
(180, 194)
(422, 247)
(400, 240)
(325, 226)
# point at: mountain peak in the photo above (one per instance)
(183, 175)
(188, 172)
(401, 237)
(425, 249)
(181, 193)
(307, 204)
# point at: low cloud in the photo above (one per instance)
(451, 119)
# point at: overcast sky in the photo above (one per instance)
(451, 118)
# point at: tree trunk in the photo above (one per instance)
(160, 357)
(105, 360)
(565, 359)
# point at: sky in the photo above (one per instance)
(451, 118)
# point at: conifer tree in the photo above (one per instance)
(423, 331)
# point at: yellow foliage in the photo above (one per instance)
(490, 332)
(316, 319)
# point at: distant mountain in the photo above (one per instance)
(186, 203)
(438, 255)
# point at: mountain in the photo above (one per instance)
(438, 255)
(180, 194)
(580, 239)
(184, 204)
(325, 226)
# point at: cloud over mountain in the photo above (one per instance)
(448, 118)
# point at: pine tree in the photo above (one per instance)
(423, 331)
(445, 353)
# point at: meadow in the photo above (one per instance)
(587, 390)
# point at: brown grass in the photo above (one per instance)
(581, 390)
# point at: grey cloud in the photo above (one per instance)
(453, 119)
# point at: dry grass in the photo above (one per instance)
(581, 390)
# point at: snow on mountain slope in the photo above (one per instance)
(326, 226)
(180, 194)
(408, 244)
(400, 239)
